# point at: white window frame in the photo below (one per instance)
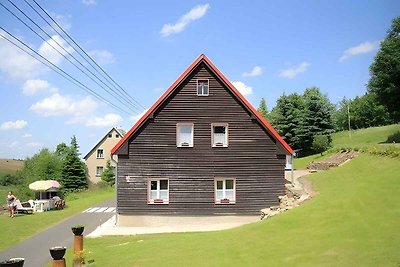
(158, 200)
(224, 200)
(202, 90)
(179, 144)
(213, 144)
(98, 173)
(102, 153)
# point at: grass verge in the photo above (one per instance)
(23, 226)
(353, 222)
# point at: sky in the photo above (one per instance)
(266, 48)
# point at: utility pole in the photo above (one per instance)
(348, 116)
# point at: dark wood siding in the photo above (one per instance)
(251, 157)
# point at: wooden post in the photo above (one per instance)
(78, 259)
(59, 263)
(78, 244)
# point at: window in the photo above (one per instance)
(99, 170)
(202, 87)
(100, 153)
(158, 191)
(225, 191)
(109, 135)
(184, 134)
(219, 134)
(117, 136)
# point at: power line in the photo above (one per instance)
(80, 48)
(58, 70)
(117, 96)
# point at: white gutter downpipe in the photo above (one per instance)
(116, 188)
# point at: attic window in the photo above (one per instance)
(100, 154)
(117, 136)
(202, 87)
(109, 135)
(184, 134)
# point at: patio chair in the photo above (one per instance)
(23, 207)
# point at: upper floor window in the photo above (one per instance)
(219, 134)
(158, 191)
(117, 136)
(202, 87)
(225, 191)
(109, 135)
(184, 134)
(100, 154)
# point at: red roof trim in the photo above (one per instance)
(181, 78)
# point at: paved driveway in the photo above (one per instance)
(35, 250)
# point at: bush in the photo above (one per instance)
(320, 143)
(394, 138)
(7, 179)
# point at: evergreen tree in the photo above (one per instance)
(108, 174)
(73, 173)
(385, 71)
(263, 108)
(287, 117)
(317, 118)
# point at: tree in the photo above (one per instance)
(286, 117)
(44, 165)
(263, 108)
(317, 120)
(320, 143)
(385, 71)
(108, 174)
(365, 111)
(73, 172)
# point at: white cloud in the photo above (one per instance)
(362, 48)
(243, 89)
(33, 144)
(18, 124)
(47, 51)
(293, 71)
(16, 64)
(26, 135)
(102, 57)
(89, 2)
(106, 121)
(256, 71)
(32, 87)
(59, 105)
(195, 13)
(137, 117)
(63, 20)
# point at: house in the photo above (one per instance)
(97, 157)
(202, 148)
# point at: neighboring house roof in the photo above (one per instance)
(121, 132)
(203, 59)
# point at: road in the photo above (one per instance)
(35, 249)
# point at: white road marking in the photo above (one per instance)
(99, 209)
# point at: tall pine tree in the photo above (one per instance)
(73, 173)
(263, 108)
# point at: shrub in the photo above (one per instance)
(394, 138)
(320, 143)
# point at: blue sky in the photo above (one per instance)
(264, 47)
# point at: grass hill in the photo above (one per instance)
(360, 139)
(10, 165)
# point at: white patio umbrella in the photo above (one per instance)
(44, 185)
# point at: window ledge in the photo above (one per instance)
(225, 202)
(158, 202)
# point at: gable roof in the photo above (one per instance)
(203, 59)
(121, 132)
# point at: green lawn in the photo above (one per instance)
(364, 137)
(21, 226)
(354, 221)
